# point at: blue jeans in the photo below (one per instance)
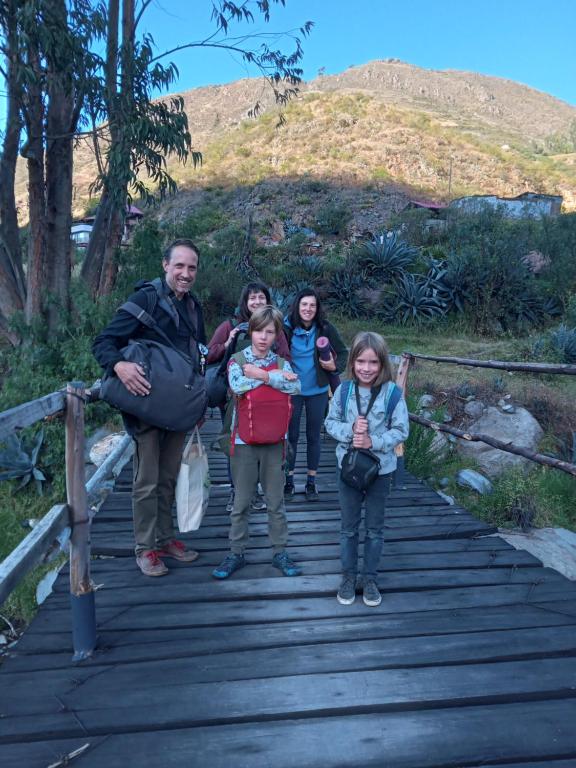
(351, 509)
(315, 406)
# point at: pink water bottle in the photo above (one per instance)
(324, 352)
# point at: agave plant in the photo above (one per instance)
(415, 299)
(387, 256)
(343, 293)
(281, 299)
(310, 268)
(19, 459)
(564, 340)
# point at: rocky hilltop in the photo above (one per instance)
(385, 125)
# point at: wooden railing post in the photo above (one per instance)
(81, 590)
(402, 382)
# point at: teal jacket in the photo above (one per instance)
(340, 350)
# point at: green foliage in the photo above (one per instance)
(205, 219)
(218, 285)
(495, 288)
(558, 345)
(556, 239)
(344, 294)
(415, 299)
(19, 460)
(424, 457)
(332, 219)
(541, 497)
(387, 257)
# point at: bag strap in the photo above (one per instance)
(146, 319)
(231, 350)
(345, 391)
(374, 392)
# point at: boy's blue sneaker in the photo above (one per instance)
(231, 563)
(284, 563)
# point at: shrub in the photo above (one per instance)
(415, 299)
(343, 293)
(387, 257)
(332, 219)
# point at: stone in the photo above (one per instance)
(447, 418)
(555, 547)
(103, 448)
(94, 438)
(440, 445)
(520, 428)
(469, 478)
(425, 401)
(474, 409)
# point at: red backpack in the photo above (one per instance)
(262, 414)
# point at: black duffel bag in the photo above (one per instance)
(177, 399)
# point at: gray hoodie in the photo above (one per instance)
(384, 440)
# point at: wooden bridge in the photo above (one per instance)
(470, 660)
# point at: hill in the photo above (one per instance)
(385, 126)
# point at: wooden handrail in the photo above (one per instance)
(539, 458)
(34, 548)
(29, 413)
(75, 513)
(568, 370)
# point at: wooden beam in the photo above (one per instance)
(32, 549)
(519, 450)
(569, 370)
(29, 413)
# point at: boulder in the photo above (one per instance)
(103, 448)
(440, 445)
(474, 409)
(520, 428)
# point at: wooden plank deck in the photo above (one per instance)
(469, 661)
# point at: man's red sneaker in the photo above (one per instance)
(150, 564)
(178, 551)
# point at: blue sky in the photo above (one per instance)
(529, 41)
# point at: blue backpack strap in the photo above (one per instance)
(345, 392)
(394, 397)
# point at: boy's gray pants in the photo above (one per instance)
(250, 464)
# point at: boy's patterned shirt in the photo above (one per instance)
(240, 383)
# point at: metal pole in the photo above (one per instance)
(81, 591)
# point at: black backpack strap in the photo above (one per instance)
(146, 319)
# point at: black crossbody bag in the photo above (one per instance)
(360, 466)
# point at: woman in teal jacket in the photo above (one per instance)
(304, 325)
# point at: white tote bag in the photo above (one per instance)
(193, 485)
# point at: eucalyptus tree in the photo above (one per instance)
(49, 71)
(79, 69)
(138, 133)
